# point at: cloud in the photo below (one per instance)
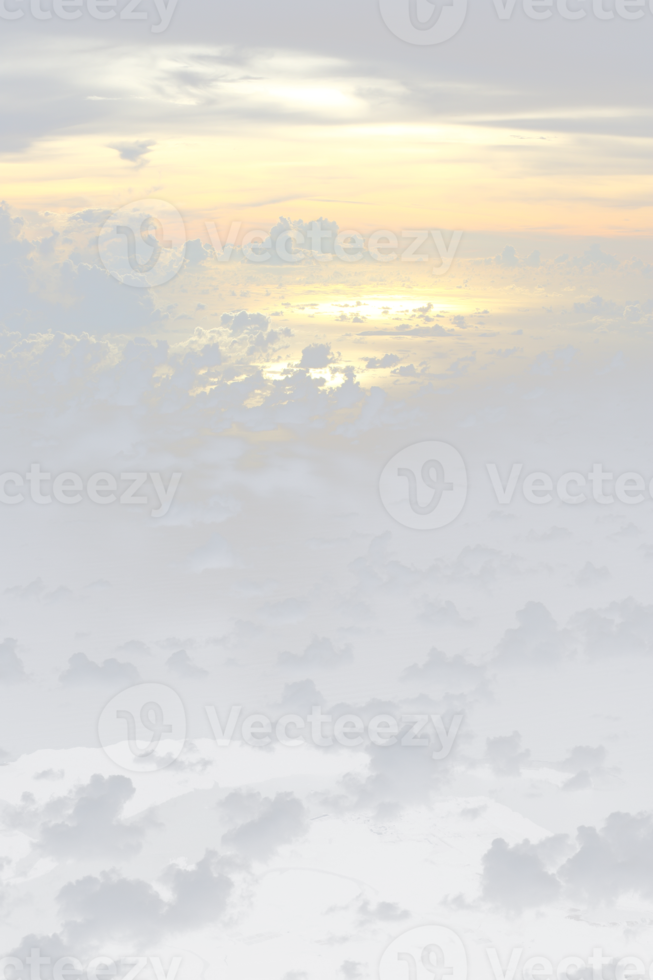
(477, 567)
(110, 673)
(591, 577)
(290, 610)
(605, 865)
(49, 776)
(320, 656)
(505, 755)
(109, 910)
(587, 763)
(616, 362)
(243, 633)
(271, 824)
(536, 643)
(215, 553)
(11, 666)
(548, 363)
(300, 696)
(552, 536)
(25, 593)
(316, 356)
(628, 532)
(134, 648)
(86, 823)
(181, 664)
(382, 912)
(515, 878)
(449, 673)
(134, 151)
(440, 615)
(369, 414)
(399, 776)
(59, 596)
(624, 626)
(352, 970)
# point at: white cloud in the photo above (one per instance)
(454, 674)
(320, 656)
(621, 627)
(504, 753)
(536, 643)
(591, 577)
(440, 615)
(259, 825)
(134, 648)
(83, 674)
(110, 910)
(289, 610)
(182, 667)
(85, 824)
(12, 669)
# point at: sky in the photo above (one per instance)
(326, 490)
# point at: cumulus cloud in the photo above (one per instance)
(536, 643)
(399, 776)
(134, 648)
(11, 666)
(289, 610)
(450, 673)
(504, 753)
(515, 877)
(243, 633)
(586, 763)
(300, 696)
(320, 656)
(26, 593)
(181, 664)
(111, 907)
(439, 615)
(111, 672)
(624, 626)
(591, 577)
(316, 356)
(84, 823)
(268, 824)
(600, 866)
